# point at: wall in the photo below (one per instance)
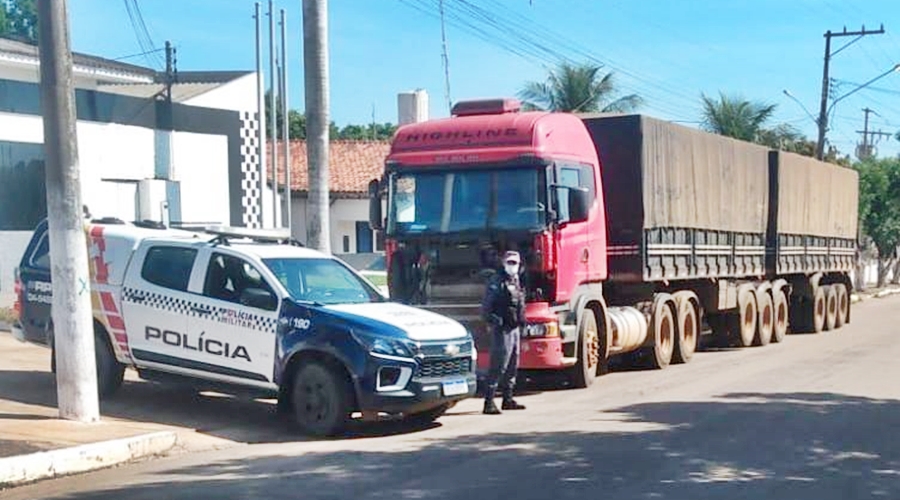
(343, 215)
(236, 95)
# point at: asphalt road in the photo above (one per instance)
(817, 417)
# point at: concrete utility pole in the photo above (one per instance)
(273, 109)
(823, 104)
(260, 116)
(76, 371)
(285, 124)
(315, 75)
(865, 150)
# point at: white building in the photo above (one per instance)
(191, 161)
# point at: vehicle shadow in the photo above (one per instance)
(236, 417)
(739, 446)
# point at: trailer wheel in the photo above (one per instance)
(843, 301)
(819, 310)
(585, 370)
(688, 332)
(743, 323)
(831, 307)
(780, 308)
(664, 333)
(766, 322)
(321, 400)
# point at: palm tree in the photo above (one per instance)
(578, 88)
(735, 117)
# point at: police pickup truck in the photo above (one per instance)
(247, 308)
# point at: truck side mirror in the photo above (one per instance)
(579, 203)
(375, 217)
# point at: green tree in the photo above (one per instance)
(735, 117)
(879, 208)
(376, 132)
(578, 88)
(18, 19)
(297, 126)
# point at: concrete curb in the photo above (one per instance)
(17, 470)
(854, 298)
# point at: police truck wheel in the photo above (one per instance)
(321, 400)
(843, 301)
(831, 307)
(664, 333)
(743, 323)
(688, 332)
(765, 323)
(110, 373)
(585, 370)
(780, 308)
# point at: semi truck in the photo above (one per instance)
(638, 235)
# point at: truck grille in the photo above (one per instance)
(436, 368)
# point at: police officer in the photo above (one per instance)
(503, 309)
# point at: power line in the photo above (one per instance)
(142, 34)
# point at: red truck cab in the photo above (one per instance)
(460, 191)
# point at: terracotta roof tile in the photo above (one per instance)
(352, 164)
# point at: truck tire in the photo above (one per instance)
(688, 332)
(818, 312)
(110, 373)
(765, 323)
(585, 370)
(742, 323)
(831, 307)
(780, 308)
(843, 300)
(321, 400)
(664, 330)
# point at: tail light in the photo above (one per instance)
(19, 290)
(546, 255)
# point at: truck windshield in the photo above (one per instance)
(325, 281)
(467, 200)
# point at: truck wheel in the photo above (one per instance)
(110, 373)
(780, 308)
(321, 400)
(819, 309)
(766, 321)
(831, 307)
(585, 370)
(688, 332)
(743, 323)
(843, 302)
(664, 333)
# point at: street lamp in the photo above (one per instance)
(823, 116)
(793, 98)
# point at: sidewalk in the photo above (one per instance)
(141, 420)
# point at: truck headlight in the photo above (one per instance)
(542, 330)
(383, 345)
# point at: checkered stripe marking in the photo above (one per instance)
(196, 309)
(250, 161)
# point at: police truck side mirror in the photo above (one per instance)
(375, 217)
(259, 298)
(579, 203)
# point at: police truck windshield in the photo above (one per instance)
(467, 200)
(323, 281)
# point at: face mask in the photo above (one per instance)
(511, 269)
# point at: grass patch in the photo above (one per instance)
(7, 315)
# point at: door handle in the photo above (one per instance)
(138, 298)
(585, 254)
(200, 310)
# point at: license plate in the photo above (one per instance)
(455, 387)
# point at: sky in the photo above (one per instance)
(667, 51)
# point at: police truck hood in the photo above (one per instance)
(418, 324)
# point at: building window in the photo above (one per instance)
(346, 244)
(23, 195)
(363, 237)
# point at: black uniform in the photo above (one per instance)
(504, 310)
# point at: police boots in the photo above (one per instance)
(511, 404)
(490, 408)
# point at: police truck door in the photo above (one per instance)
(237, 322)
